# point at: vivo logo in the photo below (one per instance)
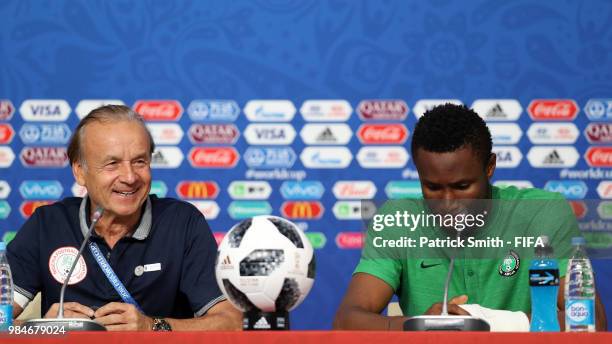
(269, 157)
(302, 190)
(326, 157)
(570, 189)
(213, 110)
(269, 134)
(41, 189)
(31, 133)
(45, 110)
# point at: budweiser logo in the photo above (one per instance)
(382, 133)
(563, 109)
(599, 156)
(217, 157)
(350, 240)
(159, 110)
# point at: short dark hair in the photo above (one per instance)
(106, 113)
(446, 128)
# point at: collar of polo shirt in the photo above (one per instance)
(141, 232)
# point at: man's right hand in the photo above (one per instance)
(453, 308)
(71, 310)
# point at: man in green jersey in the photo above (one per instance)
(452, 151)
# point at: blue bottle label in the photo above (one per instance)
(6, 317)
(543, 277)
(580, 312)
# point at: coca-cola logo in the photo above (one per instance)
(213, 157)
(553, 109)
(44, 157)
(159, 110)
(390, 110)
(213, 133)
(599, 156)
(599, 132)
(382, 133)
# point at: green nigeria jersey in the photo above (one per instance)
(498, 278)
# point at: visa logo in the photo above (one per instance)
(303, 190)
(41, 189)
(45, 110)
(569, 189)
(270, 134)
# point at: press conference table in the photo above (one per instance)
(316, 337)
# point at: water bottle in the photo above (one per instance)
(544, 285)
(579, 291)
(6, 291)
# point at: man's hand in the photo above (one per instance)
(453, 308)
(71, 310)
(118, 316)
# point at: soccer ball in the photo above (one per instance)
(265, 263)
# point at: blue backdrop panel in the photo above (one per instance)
(307, 50)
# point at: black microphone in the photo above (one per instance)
(72, 324)
(444, 321)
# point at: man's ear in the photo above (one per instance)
(78, 170)
(491, 165)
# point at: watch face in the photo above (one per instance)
(161, 325)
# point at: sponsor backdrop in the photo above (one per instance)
(303, 108)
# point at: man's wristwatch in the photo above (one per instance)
(160, 324)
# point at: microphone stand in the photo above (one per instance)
(71, 324)
(444, 321)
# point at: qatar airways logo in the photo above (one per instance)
(44, 157)
(381, 109)
(599, 133)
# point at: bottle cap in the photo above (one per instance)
(578, 241)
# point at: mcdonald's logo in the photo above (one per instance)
(27, 208)
(302, 210)
(197, 189)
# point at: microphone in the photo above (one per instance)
(444, 321)
(72, 324)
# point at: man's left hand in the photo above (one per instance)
(118, 316)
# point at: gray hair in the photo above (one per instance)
(106, 113)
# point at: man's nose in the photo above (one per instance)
(127, 174)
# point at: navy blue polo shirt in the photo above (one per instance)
(167, 263)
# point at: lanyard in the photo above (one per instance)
(111, 276)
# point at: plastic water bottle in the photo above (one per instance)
(6, 291)
(544, 285)
(579, 291)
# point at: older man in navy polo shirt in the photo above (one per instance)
(161, 250)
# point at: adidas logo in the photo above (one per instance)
(262, 324)
(326, 136)
(496, 112)
(226, 261)
(553, 159)
(158, 158)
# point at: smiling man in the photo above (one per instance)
(161, 249)
(452, 151)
